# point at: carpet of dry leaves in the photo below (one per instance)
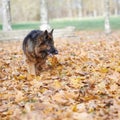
(81, 83)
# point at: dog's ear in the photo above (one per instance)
(45, 34)
(51, 32)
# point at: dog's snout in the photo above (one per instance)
(56, 52)
(53, 51)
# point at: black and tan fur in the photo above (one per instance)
(37, 45)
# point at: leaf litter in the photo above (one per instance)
(81, 83)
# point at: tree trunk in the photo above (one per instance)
(79, 8)
(44, 16)
(94, 8)
(117, 7)
(69, 8)
(107, 21)
(6, 15)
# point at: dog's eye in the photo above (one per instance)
(50, 41)
(43, 42)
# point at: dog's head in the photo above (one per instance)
(47, 43)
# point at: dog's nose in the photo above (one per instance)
(53, 51)
(56, 52)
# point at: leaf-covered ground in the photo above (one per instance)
(81, 83)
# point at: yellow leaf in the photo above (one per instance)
(30, 77)
(101, 85)
(53, 61)
(57, 84)
(90, 97)
(38, 78)
(80, 78)
(28, 107)
(103, 70)
(60, 98)
(91, 110)
(117, 69)
(76, 81)
(74, 108)
(21, 77)
(48, 110)
(19, 96)
(42, 90)
(70, 95)
(9, 112)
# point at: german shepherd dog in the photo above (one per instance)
(37, 45)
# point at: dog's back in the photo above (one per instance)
(29, 40)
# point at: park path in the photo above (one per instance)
(20, 34)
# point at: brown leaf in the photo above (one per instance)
(3, 108)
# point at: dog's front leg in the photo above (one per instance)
(31, 67)
(38, 68)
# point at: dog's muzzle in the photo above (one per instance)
(52, 51)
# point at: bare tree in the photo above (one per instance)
(79, 8)
(117, 7)
(44, 15)
(94, 8)
(6, 15)
(69, 8)
(107, 20)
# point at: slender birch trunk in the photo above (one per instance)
(94, 8)
(44, 16)
(69, 8)
(117, 8)
(107, 20)
(80, 9)
(6, 15)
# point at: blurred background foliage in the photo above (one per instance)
(71, 12)
(29, 10)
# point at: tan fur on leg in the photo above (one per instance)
(31, 68)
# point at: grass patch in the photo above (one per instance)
(86, 24)
(0, 26)
(24, 26)
(115, 23)
(80, 24)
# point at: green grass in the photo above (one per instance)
(24, 26)
(0, 27)
(115, 23)
(86, 24)
(80, 24)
